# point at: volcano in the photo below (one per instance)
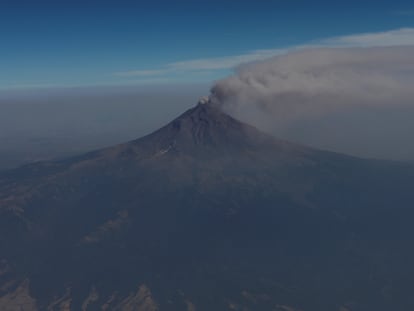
(207, 213)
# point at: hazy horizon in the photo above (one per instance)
(46, 124)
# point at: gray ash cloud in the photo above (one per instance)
(295, 93)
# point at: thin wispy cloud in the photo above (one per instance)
(204, 64)
(142, 73)
(404, 12)
(398, 37)
(403, 36)
(226, 62)
(19, 86)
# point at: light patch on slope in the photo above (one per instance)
(19, 299)
(62, 303)
(106, 229)
(92, 297)
(142, 300)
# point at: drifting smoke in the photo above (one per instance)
(301, 89)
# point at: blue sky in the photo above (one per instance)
(81, 43)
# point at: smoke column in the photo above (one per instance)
(301, 90)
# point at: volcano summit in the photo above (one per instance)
(207, 213)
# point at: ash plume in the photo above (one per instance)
(314, 81)
(294, 93)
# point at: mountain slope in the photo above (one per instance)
(207, 213)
